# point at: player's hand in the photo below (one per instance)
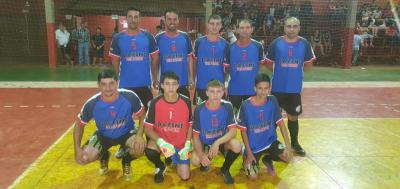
(250, 159)
(287, 154)
(184, 152)
(166, 148)
(213, 151)
(204, 160)
(191, 84)
(79, 156)
(138, 144)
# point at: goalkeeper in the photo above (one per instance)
(169, 128)
(214, 129)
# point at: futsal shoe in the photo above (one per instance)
(159, 174)
(298, 150)
(228, 179)
(269, 165)
(103, 166)
(126, 169)
(204, 168)
(120, 153)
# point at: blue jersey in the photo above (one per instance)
(243, 67)
(259, 121)
(174, 52)
(211, 56)
(134, 53)
(113, 119)
(289, 59)
(212, 124)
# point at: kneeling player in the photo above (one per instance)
(168, 125)
(214, 128)
(257, 120)
(113, 110)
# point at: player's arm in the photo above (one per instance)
(78, 133)
(249, 154)
(284, 132)
(215, 146)
(309, 56)
(155, 60)
(198, 148)
(191, 70)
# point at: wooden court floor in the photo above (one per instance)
(351, 135)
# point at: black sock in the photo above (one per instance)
(229, 159)
(154, 157)
(105, 155)
(293, 127)
(127, 159)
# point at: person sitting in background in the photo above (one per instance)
(316, 41)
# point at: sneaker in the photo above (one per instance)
(120, 153)
(269, 165)
(227, 176)
(103, 166)
(159, 174)
(298, 150)
(126, 169)
(204, 168)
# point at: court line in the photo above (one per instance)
(29, 168)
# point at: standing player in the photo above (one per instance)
(245, 56)
(258, 118)
(113, 110)
(168, 126)
(210, 55)
(214, 128)
(288, 56)
(175, 52)
(132, 51)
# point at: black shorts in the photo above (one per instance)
(274, 151)
(99, 53)
(104, 143)
(237, 100)
(290, 102)
(64, 50)
(144, 93)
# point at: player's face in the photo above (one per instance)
(215, 94)
(133, 18)
(214, 26)
(171, 21)
(108, 87)
(170, 86)
(292, 29)
(245, 30)
(262, 89)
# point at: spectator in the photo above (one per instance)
(327, 41)
(98, 41)
(316, 41)
(357, 42)
(83, 37)
(62, 38)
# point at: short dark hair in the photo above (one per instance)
(132, 9)
(158, 27)
(215, 83)
(214, 17)
(107, 74)
(262, 77)
(174, 10)
(169, 75)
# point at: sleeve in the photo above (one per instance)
(150, 116)
(190, 111)
(86, 113)
(196, 121)
(136, 105)
(277, 113)
(270, 58)
(114, 49)
(196, 48)
(189, 45)
(231, 122)
(152, 44)
(309, 56)
(242, 119)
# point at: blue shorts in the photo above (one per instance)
(176, 158)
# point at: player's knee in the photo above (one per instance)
(195, 159)
(235, 146)
(135, 153)
(90, 154)
(184, 175)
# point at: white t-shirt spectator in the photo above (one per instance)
(357, 42)
(62, 37)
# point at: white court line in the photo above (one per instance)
(55, 106)
(6, 106)
(39, 106)
(23, 106)
(71, 106)
(29, 168)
